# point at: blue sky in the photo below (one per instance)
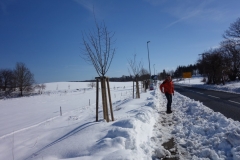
(46, 35)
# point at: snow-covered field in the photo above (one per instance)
(32, 128)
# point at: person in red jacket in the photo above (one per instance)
(167, 87)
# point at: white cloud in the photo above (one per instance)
(86, 4)
(185, 17)
(89, 5)
(197, 11)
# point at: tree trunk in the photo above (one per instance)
(137, 89)
(133, 89)
(110, 100)
(104, 95)
(97, 95)
(103, 100)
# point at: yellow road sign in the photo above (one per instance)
(187, 75)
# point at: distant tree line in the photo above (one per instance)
(143, 75)
(218, 65)
(123, 78)
(179, 71)
(19, 79)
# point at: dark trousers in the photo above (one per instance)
(169, 101)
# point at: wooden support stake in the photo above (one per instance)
(145, 86)
(110, 100)
(137, 89)
(97, 90)
(103, 100)
(133, 89)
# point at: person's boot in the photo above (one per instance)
(169, 111)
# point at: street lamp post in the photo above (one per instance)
(149, 60)
(154, 68)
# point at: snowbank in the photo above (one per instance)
(140, 130)
(204, 133)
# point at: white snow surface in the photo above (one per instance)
(32, 128)
(233, 87)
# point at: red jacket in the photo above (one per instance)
(168, 87)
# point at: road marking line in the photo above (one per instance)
(233, 102)
(199, 92)
(212, 96)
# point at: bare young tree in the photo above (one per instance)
(99, 48)
(144, 74)
(99, 51)
(136, 70)
(91, 84)
(24, 79)
(40, 87)
(43, 86)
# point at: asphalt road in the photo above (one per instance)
(226, 103)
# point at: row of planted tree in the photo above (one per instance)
(99, 51)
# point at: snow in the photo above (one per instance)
(32, 128)
(196, 81)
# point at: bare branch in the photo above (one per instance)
(136, 68)
(98, 48)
